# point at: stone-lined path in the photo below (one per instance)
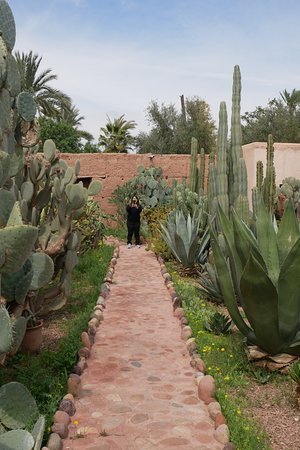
(138, 391)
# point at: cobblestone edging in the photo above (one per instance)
(62, 417)
(206, 383)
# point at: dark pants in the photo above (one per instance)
(133, 229)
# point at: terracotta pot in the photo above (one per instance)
(33, 338)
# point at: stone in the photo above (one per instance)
(94, 323)
(98, 315)
(219, 420)
(74, 384)
(214, 408)
(62, 417)
(198, 376)
(184, 321)
(61, 429)
(54, 442)
(186, 333)
(92, 329)
(179, 313)
(101, 301)
(69, 397)
(77, 370)
(85, 340)
(177, 303)
(198, 364)
(207, 389)
(67, 406)
(221, 434)
(84, 352)
(191, 345)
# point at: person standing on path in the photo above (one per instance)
(133, 210)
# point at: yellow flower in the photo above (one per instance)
(230, 356)
(222, 349)
(75, 422)
(227, 378)
(238, 411)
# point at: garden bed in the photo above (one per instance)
(260, 408)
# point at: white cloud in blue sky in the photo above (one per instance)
(113, 57)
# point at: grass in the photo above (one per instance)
(225, 360)
(46, 375)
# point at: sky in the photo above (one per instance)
(113, 57)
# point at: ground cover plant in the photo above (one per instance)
(259, 406)
(46, 374)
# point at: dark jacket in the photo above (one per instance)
(133, 213)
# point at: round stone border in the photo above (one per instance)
(67, 409)
(206, 383)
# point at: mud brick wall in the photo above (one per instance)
(114, 170)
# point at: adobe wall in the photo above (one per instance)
(286, 161)
(114, 170)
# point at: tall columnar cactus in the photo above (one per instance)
(238, 176)
(257, 190)
(193, 165)
(222, 165)
(212, 184)
(201, 182)
(269, 185)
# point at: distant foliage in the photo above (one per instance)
(281, 118)
(66, 137)
(172, 131)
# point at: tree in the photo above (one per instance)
(172, 131)
(66, 137)
(279, 118)
(115, 137)
(49, 101)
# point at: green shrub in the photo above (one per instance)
(91, 226)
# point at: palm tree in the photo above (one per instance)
(71, 115)
(115, 137)
(291, 100)
(49, 101)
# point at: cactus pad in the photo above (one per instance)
(43, 269)
(16, 439)
(7, 25)
(26, 106)
(17, 406)
(6, 337)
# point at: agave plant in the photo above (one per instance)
(263, 275)
(181, 235)
(218, 323)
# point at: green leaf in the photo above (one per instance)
(260, 296)
(288, 232)
(289, 294)
(267, 242)
(227, 289)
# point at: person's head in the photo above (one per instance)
(134, 200)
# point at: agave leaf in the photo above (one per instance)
(260, 295)
(181, 249)
(227, 289)
(267, 242)
(288, 232)
(289, 294)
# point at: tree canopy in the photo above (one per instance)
(172, 130)
(116, 137)
(281, 118)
